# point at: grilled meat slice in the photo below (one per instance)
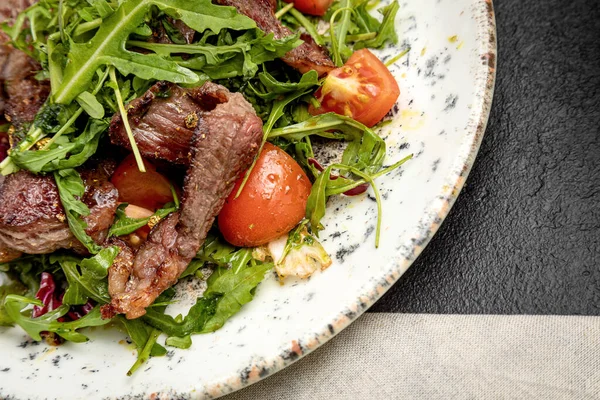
(163, 122)
(32, 219)
(7, 255)
(308, 56)
(23, 94)
(121, 268)
(100, 196)
(225, 142)
(4, 55)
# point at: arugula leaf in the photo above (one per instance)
(90, 105)
(275, 88)
(139, 332)
(144, 337)
(21, 277)
(86, 277)
(364, 30)
(107, 45)
(317, 200)
(86, 145)
(70, 189)
(193, 322)
(67, 155)
(9, 284)
(239, 58)
(326, 185)
(179, 342)
(48, 322)
(364, 20)
(102, 7)
(27, 269)
(51, 117)
(366, 150)
(125, 225)
(386, 32)
(309, 26)
(236, 285)
(213, 251)
(230, 286)
(339, 31)
(146, 351)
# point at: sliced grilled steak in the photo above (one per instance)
(306, 57)
(121, 268)
(163, 122)
(32, 218)
(24, 94)
(101, 197)
(225, 142)
(21, 95)
(4, 54)
(7, 255)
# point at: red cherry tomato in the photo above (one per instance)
(312, 7)
(272, 203)
(148, 189)
(363, 89)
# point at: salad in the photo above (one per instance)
(150, 141)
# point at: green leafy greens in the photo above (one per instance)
(86, 277)
(230, 286)
(107, 45)
(229, 57)
(71, 189)
(99, 55)
(124, 225)
(48, 322)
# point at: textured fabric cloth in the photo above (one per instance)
(418, 356)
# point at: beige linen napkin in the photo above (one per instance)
(418, 356)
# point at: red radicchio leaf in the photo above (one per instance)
(360, 189)
(47, 295)
(4, 146)
(77, 312)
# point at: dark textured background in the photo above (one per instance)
(524, 234)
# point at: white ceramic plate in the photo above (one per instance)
(447, 83)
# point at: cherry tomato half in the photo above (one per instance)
(148, 189)
(312, 7)
(272, 203)
(363, 89)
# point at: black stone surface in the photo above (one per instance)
(524, 235)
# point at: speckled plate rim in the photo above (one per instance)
(484, 82)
